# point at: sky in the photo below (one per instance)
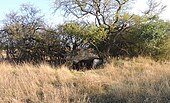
(6, 6)
(46, 7)
(140, 5)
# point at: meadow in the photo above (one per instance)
(137, 80)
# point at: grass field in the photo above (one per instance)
(138, 80)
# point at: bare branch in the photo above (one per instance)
(104, 11)
(154, 8)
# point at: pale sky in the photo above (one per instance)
(140, 5)
(46, 7)
(6, 6)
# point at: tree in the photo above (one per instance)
(149, 37)
(155, 8)
(126, 34)
(107, 14)
(22, 33)
(76, 36)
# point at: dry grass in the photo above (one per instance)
(126, 81)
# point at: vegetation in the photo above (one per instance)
(27, 40)
(126, 34)
(114, 32)
(129, 81)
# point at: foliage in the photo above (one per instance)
(77, 36)
(113, 33)
(150, 36)
(21, 33)
(125, 34)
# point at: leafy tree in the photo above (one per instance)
(107, 14)
(150, 37)
(76, 36)
(22, 33)
(124, 34)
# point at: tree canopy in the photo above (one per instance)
(114, 32)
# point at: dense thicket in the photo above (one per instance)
(26, 37)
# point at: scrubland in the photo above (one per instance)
(138, 80)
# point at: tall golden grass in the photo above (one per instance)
(138, 80)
